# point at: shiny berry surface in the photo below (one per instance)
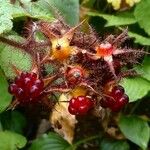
(26, 88)
(80, 105)
(74, 75)
(117, 92)
(120, 103)
(116, 99)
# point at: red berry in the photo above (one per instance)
(27, 82)
(72, 110)
(33, 76)
(80, 105)
(120, 103)
(117, 99)
(75, 75)
(39, 83)
(82, 110)
(34, 91)
(124, 100)
(117, 92)
(20, 93)
(12, 88)
(27, 87)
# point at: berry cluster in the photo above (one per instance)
(116, 100)
(81, 60)
(80, 105)
(26, 87)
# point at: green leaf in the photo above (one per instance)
(2, 46)
(5, 97)
(5, 16)
(11, 141)
(136, 88)
(139, 38)
(144, 69)
(11, 56)
(32, 9)
(142, 15)
(13, 120)
(136, 130)
(116, 20)
(50, 69)
(69, 9)
(38, 11)
(109, 144)
(51, 141)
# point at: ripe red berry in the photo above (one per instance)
(117, 92)
(116, 99)
(26, 88)
(120, 103)
(75, 75)
(80, 105)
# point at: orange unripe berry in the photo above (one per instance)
(61, 49)
(104, 49)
